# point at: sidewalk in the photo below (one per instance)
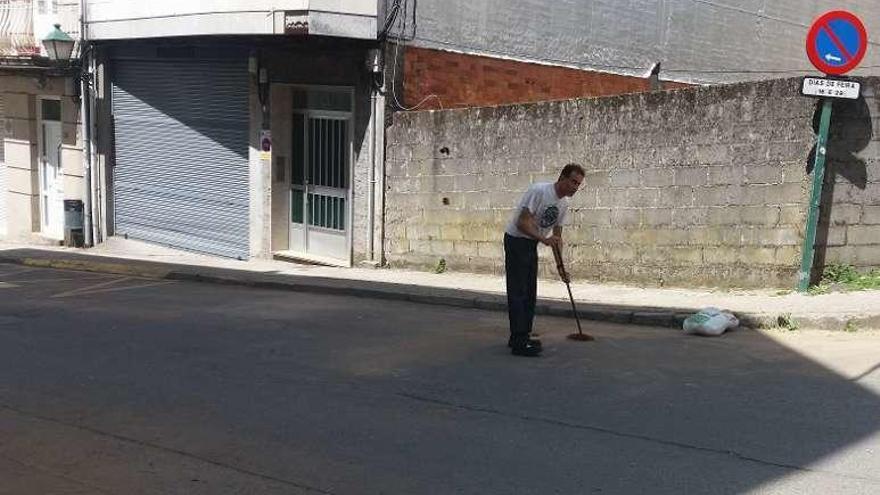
(601, 302)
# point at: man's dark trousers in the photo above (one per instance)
(521, 267)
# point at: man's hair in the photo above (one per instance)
(571, 168)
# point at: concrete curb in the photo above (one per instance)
(657, 317)
(89, 266)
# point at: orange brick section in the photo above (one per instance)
(460, 80)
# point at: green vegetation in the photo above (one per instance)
(843, 277)
(441, 266)
(785, 322)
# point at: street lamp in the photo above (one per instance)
(58, 45)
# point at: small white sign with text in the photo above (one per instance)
(830, 88)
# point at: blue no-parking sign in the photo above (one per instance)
(837, 42)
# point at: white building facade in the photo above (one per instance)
(238, 128)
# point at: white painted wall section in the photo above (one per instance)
(126, 19)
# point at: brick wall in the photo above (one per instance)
(704, 186)
(460, 80)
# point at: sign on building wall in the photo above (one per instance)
(265, 144)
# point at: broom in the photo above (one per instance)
(560, 266)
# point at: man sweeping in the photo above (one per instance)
(538, 218)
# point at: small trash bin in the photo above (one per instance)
(73, 223)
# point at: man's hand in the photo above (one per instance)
(554, 241)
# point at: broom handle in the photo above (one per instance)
(560, 266)
(573, 309)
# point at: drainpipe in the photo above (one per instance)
(380, 159)
(374, 66)
(97, 214)
(371, 217)
(85, 113)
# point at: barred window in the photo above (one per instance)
(47, 6)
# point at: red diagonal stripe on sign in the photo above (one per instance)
(834, 39)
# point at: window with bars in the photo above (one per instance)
(47, 7)
(320, 153)
(321, 158)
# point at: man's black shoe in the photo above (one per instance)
(511, 340)
(525, 348)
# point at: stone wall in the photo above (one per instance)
(704, 186)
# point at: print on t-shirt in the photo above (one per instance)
(549, 217)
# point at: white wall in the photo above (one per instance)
(694, 39)
(125, 19)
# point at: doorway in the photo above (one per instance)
(51, 176)
(320, 173)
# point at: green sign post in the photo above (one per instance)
(808, 251)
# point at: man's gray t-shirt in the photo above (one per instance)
(549, 210)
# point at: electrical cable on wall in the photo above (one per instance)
(401, 21)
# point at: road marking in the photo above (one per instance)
(16, 272)
(90, 288)
(7, 285)
(57, 279)
(103, 287)
(144, 286)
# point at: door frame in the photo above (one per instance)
(349, 117)
(43, 208)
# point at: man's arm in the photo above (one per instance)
(557, 253)
(527, 224)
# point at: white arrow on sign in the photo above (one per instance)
(829, 57)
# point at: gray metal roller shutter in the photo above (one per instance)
(3, 192)
(181, 175)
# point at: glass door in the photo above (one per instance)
(51, 178)
(320, 182)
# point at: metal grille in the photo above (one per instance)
(327, 147)
(181, 176)
(327, 211)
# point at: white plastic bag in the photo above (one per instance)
(711, 322)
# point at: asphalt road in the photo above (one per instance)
(121, 385)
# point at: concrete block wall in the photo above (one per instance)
(705, 186)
